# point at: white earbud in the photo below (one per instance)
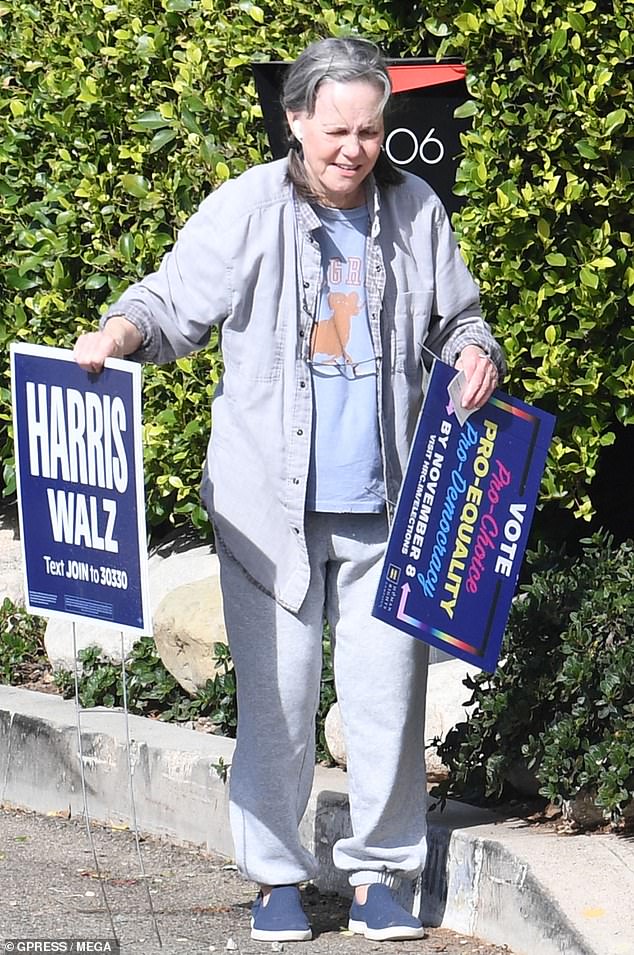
(297, 130)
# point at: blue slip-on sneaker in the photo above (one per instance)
(382, 919)
(282, 918)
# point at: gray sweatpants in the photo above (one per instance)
(380, 677)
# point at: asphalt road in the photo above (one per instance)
(52, 889)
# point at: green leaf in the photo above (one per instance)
(584, 149)
(88, 90)
(467, 22)
(135, 185)
(556, 258)
(576, 21)
(614, 119)
(543, 229)
(558, 41)
(466, 109)
(256, 13)
(195, 104)
(161, 139)
(437, 27)
(589, 278)
(151, 119)
(126, 246)
(16, 280)
(96, 281)
(190, 122)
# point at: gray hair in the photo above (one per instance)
(335, 59)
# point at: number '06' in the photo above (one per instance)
(430, 150)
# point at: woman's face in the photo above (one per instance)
(341, 140)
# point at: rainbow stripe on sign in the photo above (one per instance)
(512, 409)
(433, 631)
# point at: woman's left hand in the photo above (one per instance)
(481, 377)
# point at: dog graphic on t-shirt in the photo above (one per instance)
(331, 336)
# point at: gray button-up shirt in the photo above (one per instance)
(248, 260)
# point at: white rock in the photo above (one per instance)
(177, 562)
(333, 731)
(447, 697)
(187, 624)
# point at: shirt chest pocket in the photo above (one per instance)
(409, 328)
(255, 354)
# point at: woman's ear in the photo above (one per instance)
(295, 125)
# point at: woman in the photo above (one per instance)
(329, 272)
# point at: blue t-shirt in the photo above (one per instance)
(345, 472)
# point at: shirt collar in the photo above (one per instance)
(308, 220)
(374, 205)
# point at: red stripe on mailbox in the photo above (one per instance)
(406, 78)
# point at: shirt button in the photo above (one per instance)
(296, 530)
(302, 384)
(301, 333)
(299, 431)
(295, 480)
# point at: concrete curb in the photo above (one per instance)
(485, 878)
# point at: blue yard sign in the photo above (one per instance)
(79, 471)
(462, 522)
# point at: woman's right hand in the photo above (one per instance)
(116, 339)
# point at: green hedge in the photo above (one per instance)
(559, 710)
(549, 187)
(117, 118)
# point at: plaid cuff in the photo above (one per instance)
(481, 339)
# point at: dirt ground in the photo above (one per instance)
(52, 886)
